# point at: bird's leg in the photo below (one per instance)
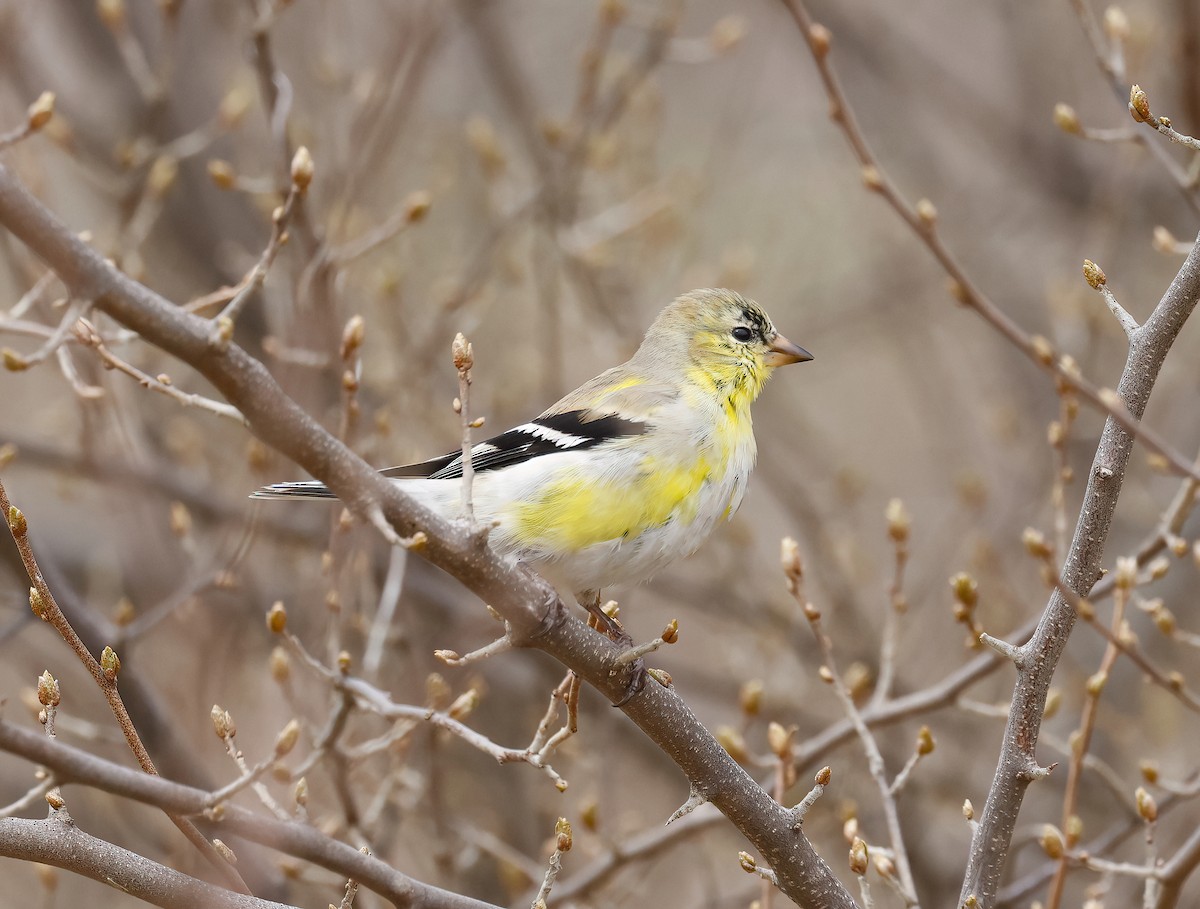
(601, 620)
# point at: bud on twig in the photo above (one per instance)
(1139, 104)
(819, 39)
(1094, 274)
(1066, 119)
(1146, 806)
(926, 213)
(779, 739)
(562, 835)
(40, 111)
(858, 857)
(750, 697)
(302, 169)
(287, 738)
(925, 741)
(48, 692)
(899, 521)
(416, 206)
(277, 617)
(110, 663)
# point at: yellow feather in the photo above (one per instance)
(573, 513)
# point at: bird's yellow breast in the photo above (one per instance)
(575, 511)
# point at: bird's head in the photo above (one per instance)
(725, 340)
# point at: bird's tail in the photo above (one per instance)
(310, 489)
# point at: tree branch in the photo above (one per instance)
(73, 765)
(1148, 349)
(57, 841)
(536, 615)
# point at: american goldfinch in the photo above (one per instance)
(632, 470)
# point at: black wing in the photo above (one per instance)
(576, 430)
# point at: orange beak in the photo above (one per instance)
(784, 351)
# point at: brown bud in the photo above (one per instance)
(287, 738)
(1164, 241)
(1094, 274)
(562, 835)
(464, 704)
(163, 173)
(302, 169)
(352, 336)
(899, 521)
(819, 39)
(277, 617)
(110, 663)
(824, 775)
(966, 590)
(1146, 806)
(40, 111)
(464, 355)
(779, 739)
(750, 697)
(858, 857)
(925, 741)
(746, 860)
(1051, 841)
(111, 13)
(16, 521)
(1036, 544)
(958, 292)
(417, 205)
(233, 107)
(280, 665)
(1066, 119)
(789, 559)
(884, 865)
(968, 810)
(222, 173)
(589, 814)
(671, 633)
(1074, 831)
(1139, 104)
(926, 213)
(38, 605)
(1126, 576)
(1042, 349)
(871, 178)
(48, 692)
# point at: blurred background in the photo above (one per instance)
(544, 177)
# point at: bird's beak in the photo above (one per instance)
(784, 351)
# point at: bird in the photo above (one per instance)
(627, 473)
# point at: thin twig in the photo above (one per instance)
(46, 608)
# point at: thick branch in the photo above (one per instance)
(57, 841)
(1039, 657)
(73, 765)
(535, 614)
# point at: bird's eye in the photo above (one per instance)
(742, 333)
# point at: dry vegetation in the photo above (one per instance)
(336, 189)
